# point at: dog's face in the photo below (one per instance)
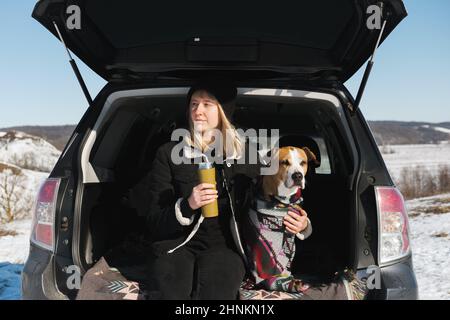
(293, 166)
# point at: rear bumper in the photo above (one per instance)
(38, 276)
(398, 282)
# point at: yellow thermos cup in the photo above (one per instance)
(207, 174)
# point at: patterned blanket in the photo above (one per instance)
(345, 286)
(270, 248)
(103, 282)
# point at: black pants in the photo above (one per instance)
(212, 274)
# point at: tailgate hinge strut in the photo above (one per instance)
(366, 75)
(75, 68)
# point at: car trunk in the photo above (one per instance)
(119, 150)
(123, 40)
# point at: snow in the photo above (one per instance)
(17, 149)
(431, 254)
(442, 129)
(428, 156)
(445, 130)
(34, 180)
(27, 151)
(25, 154)
(14, 249)
(27, 189)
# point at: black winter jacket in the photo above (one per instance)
(169, 184)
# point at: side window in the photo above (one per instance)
(325, 167)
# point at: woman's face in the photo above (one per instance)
(204, 111)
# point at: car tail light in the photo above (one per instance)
(393, 225)
(43, 231)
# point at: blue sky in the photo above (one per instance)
(410, 80)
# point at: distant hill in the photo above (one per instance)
(399, 132)
(25, 162)
(385, 132)
(56, 135)
(27, 151)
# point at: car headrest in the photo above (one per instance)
(301, 141)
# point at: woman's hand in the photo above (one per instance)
(201, 195)
(295, 222)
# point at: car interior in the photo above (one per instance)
(114, 210)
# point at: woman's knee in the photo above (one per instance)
(219, 275)
(172, 276)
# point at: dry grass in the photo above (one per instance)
(15, 135)
(26, 161)
(386, 149)
(419, 182)
(433, 209)
(442, 201)
(4, 166)
(414, 214)
(440, 235)
(4, 233)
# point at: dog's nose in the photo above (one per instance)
(297, 176)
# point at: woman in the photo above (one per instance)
(196, 257)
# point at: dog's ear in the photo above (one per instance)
(312, 159)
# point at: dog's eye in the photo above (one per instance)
(285, 162)
(302, 163)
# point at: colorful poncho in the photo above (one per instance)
(270, 247)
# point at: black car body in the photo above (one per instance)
(289, 61)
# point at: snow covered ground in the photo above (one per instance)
(429, 217)
(429, 156)
(430, 241)
(26, 188)
(32, 158)
(14, 249)
(27, 151)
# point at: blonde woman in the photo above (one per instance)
(196, 257)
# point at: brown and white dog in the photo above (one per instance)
(293, 166)
(269, 245)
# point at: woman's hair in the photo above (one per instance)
(231, 140)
